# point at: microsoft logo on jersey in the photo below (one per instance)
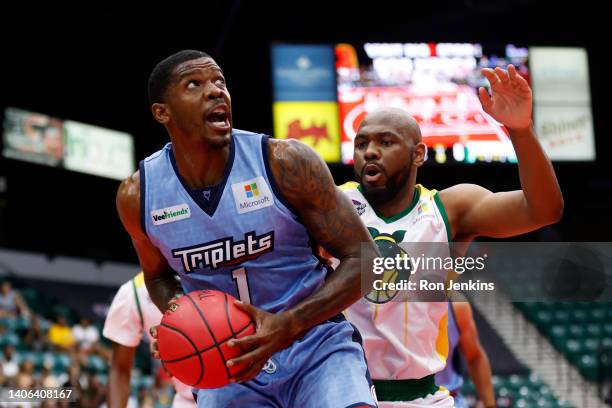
(251, 190)
(251, 195)
(423, 208)
(170, 214)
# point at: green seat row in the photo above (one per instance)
(519, 391)
(57, 362)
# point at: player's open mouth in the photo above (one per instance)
(218, 117)
(372, 174)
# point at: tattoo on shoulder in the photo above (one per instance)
(301, 174)
(307, 184)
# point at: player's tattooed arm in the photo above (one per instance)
(307, 185)
(159, 277)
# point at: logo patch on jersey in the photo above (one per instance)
(422, 208)
(251, 195)
(224, 251)
(424, 211)
(251, 190)
(170, 214)
(269, 367)
(360, 207)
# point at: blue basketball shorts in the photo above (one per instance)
(324, 369)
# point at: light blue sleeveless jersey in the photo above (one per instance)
(245, 241)
(249, 244)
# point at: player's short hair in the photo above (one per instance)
(161, 76)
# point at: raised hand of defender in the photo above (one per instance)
(510, 102)
(273, 333)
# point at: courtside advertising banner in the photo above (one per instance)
(41, 139)
(98, 151)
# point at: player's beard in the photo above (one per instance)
(384, 194)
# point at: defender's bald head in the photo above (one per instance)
(396, 120)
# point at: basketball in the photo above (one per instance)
(193, 336)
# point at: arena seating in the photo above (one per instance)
(520, 391)
(579, 330)
(56, 361)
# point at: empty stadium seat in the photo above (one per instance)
(573, 349)
(543, 319)
(517, 381)
(593, 330)
(576, 331)
(61, 362)
(598, 315)
(9, 338)
(96, 363)
(588, 365)
(14, 323)
(562, 316)
(578, 316)
(591, 345)
(559, 334)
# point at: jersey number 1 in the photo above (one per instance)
(242, 283)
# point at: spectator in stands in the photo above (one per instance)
(11, 302)
(163, 389)
(74, 373)
(60, 334)
(25, 377)
(10, 366)
(93, 393)
(34, 337)
(145, 398)
(47, 379)
(85, 335)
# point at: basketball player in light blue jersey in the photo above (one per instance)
(235, 211)
(463, 340)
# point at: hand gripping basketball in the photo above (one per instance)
(275, 332)
(193, 336)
